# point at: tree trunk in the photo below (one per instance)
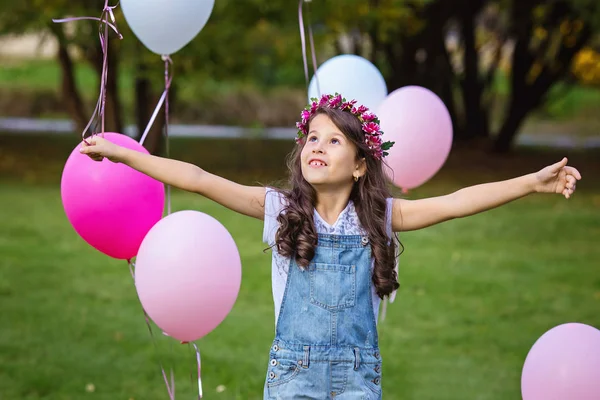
(145, 103)
(71, 97)
(405, 67)
(528, 93)
(113, 99)
(472, 88)
(517, 111)
(143, 90)
(112, 108)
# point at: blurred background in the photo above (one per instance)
(521, 80)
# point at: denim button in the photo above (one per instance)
(271, 374)
(299, 362)
(376, 381)
(273, 362)
(378, 368)
(275, 347)
(364, 240)
(376, 355)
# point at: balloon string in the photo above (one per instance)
(168, 79)
(313, 53)
(170, 385)
(303, 41)
(98, 114)
(153, 117)
(198, 363)
(164, 99)
(312, 46)
(383, 309)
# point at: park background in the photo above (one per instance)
(521, 80)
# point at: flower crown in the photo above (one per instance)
(369, 121)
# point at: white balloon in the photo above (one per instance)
(351, 76)
(165, 26)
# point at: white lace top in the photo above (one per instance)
(346, 224)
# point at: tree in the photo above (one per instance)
(81, 37)
(256, 43)
(408, 41)
(539, 63)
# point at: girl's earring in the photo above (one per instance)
(355, 178)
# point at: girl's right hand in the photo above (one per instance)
(97, 148)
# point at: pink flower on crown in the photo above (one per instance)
(368, 117)
(360, 110)
(313, 107)
(305, 115)
(373, 141)
(335, 101)
(347, 106)
(370, 127)
(324, 100)
(302, 128)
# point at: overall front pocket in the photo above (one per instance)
(281, 371)
(332, 286)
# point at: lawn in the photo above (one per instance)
(476, 293)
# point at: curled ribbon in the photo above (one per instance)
(198, 363)
(312, 46)
(103, 32)
(170, 385)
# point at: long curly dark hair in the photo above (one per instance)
(296, 236)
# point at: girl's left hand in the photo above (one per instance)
(557, 178)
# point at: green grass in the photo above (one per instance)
(43, 75)
(476, 294)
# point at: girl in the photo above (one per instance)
(333, 232)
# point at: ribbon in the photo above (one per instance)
(199, 365)
(98, 114)
(170, 385)
(312, 46)
(164, 98)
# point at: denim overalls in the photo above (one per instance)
(326, 344)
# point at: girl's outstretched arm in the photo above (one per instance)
(410, 215)
(247, 200)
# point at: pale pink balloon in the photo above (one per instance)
(564, 363)
(188, 274)
(110, 205)
(419, 122)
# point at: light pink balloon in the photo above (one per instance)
(563, 364)
(110, 205)
(419, 122)
(188, 274)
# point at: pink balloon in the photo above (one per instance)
(188, 274)
(563, 364)
(418, 121)
(111, 206)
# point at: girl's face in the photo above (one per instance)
(328, 157)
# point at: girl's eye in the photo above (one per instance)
(312, 138)
(335, 141)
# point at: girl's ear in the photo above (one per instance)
(361, 167)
